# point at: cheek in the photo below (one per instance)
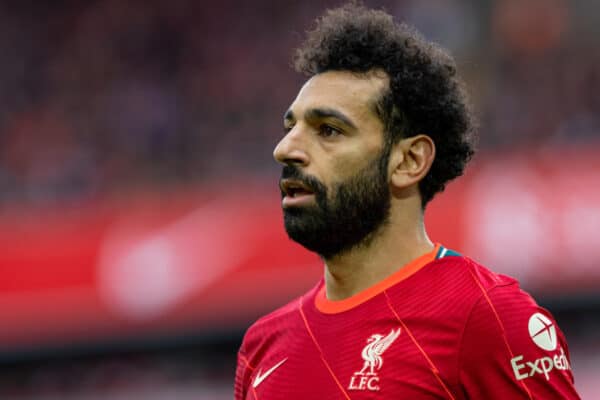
(347, 167)
(345, 161)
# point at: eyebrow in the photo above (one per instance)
(322, 113)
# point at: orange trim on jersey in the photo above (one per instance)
(245, 360)
(314, 339)
(248, 365)
(327, 306)
(489, 301)
(434, 370)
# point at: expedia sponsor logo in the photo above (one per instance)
(544, 365)
(543, 333)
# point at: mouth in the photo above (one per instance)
(293, 188)
(295, 192)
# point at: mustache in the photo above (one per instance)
(293, 172)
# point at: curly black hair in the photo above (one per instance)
(425, 96)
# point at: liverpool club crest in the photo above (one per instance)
(372, 354)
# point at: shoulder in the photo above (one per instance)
(509, 313)
(499, 299)
(457, 280)
(446, 289)
(508, 337)
(462, 269)
(497, 304)
(274, 324)
(274, 319)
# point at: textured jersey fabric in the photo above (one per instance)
(442, 327)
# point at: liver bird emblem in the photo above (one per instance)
(376, 345)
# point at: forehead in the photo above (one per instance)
(350, 93)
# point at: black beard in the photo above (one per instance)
(358, 207)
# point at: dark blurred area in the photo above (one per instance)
(98, 96)
(103, 102)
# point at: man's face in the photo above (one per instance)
(334, 182)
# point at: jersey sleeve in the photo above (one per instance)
(513, 349)
(243, 373)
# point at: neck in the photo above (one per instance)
(396, 243)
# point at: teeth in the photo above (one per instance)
(294, 190)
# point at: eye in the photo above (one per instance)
(326, 130)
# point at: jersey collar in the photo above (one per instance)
(333, 307)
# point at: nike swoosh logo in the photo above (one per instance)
(261, 377)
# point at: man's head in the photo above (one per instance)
(382, 115)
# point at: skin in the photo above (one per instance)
(331, 150)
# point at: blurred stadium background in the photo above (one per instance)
(140, 231)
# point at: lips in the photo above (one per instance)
(295, 193)
(292, 188)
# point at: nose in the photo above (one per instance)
(291, 149)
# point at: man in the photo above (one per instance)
(379, 128)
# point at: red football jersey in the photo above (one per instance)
(442, 327)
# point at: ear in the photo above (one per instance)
(410, 160)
